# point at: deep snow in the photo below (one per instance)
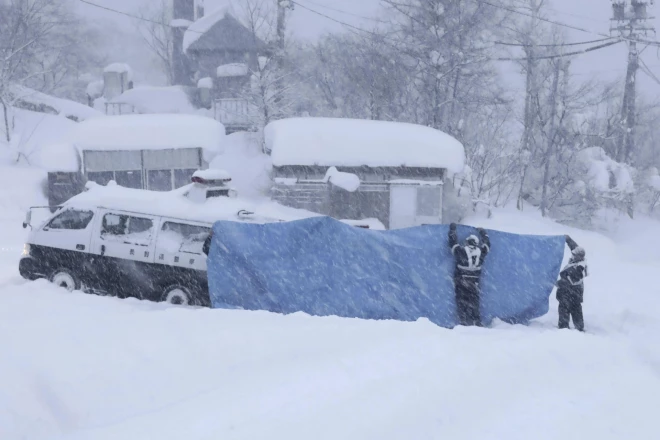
(77, 366)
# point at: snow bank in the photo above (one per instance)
(87, 367)
(204, 24)
(50, 104)
(233, 69)
(176, 204)
(58, 157)
(352, 142)
(33, 137)
(349, 182)
(150, 132)
(156, 100)
(205, 83)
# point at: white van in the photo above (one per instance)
(135, 243)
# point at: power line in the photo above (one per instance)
(579, 52)
(377, 20)
(137, 17)
(558, 23)
(504, 43)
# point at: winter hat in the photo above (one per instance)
(472, 240)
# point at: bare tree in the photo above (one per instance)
(154, 27)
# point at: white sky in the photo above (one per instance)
(594, 15)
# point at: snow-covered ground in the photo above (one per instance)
(76, 366)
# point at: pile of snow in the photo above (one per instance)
(32, 139)
(95, 89)
(171, 99)
(150, 132)
(244, 159)
(58, 157)
(354, 143)
(90, 367)
(232, 69)
(205, 83)
(120, 68)
(605, 174)
(204, 24)
(40, 102)
(177, 204)
(348, 181)
(180, 23)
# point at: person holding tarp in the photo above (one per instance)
(570, 287)
(469, 259)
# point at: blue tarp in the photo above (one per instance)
(321, 266)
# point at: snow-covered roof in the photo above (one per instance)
(64, 107)
(221, 30)
(353, 143)
(119, 68)
(232, 69)
(213, 174)
(180, 23)
(149, 99)
(205, 83)
(203, 25)
(150, 132)
(176, 204)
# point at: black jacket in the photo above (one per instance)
(469, 260)
(571, 278)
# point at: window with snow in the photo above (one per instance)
(71, 219)
(127, 229)
(182, 237)
(428, 201)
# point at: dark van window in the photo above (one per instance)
(127, 229)
(71, 219)
(182, 237)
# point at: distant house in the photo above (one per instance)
(354, 169)
(154, 152)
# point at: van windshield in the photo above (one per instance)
(71, 219)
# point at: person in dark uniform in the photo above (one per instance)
(570, 287)
(206, 247)
(469, 259)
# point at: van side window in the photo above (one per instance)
(181, 237)
(71, 219)
(127, 229)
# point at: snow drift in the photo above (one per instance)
(321, 266)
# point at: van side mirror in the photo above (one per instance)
(28, 219)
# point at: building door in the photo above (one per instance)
(415, 205)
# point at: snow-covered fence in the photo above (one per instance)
(233, 111)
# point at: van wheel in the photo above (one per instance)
(177, 295)
(65, 278)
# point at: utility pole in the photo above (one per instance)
(630, 21)
(529, 117)
(282, 7)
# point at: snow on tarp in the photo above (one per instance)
(149, 99)
(353, 142)
(321, 266)
(203, 25)
(177, 204)
(233, 69)
(150, 132)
